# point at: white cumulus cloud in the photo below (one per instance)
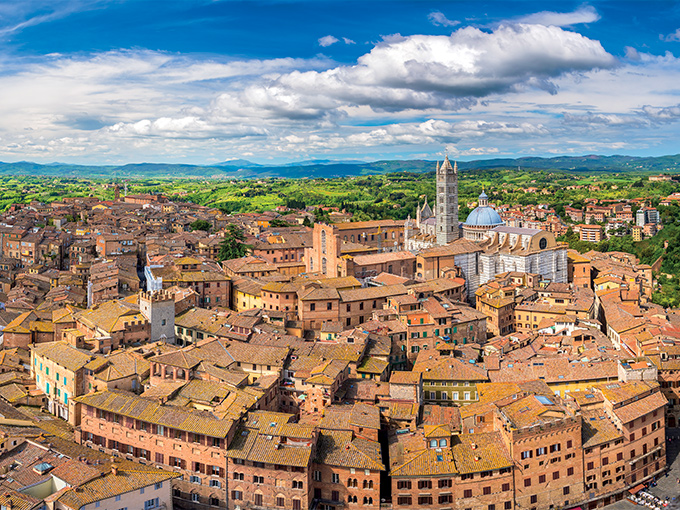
(586, 14)
(327, 40)
(672, 37)
(439, 19)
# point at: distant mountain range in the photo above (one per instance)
(243, 169)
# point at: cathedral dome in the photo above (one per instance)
(483, 217)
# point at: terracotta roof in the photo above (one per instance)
(63, 355)
(191, 420)
(110, 485)
(339, 448)
(474, 453)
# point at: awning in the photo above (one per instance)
(637, 488)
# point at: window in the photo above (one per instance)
(118, 498)
(298, 484)
(486, 491)
(526, 454)
(534, 498)
(258, 479)
(505, 487)
(424, 484)
(565, 490)
(404, 500)
(215, 483)
(570, 471)
(158, 485)
(445, 484)
(280, 501)
(258, 499)
(335, 496)
(335, 479)
(424, 500)
(527, 482)
(556, 475)
(195, 479)
(237, 495)
(508, 505)
(296, 504)
(317, 476)
(541, 478)
(151, 503)
(195, 498)
(467, 493)
(446, 498)
(404, 484)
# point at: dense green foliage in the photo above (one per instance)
(201, 225)
(232, 246)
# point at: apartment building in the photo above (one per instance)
(180, 439)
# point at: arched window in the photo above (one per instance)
(352, 238)
(323, 242)
(433, 443)
(442, 442)
(370, 501)
(365, 484)
(365, 500)
(323, 265)
(370, 484)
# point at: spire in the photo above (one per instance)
(446, 165)
(437, 166)
(455, 166)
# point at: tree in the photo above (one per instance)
(277, 223)
(232, 246)
(201, 225)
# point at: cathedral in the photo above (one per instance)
(441, 226)
(482, 246)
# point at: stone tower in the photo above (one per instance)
(159, 309)
(447, 202)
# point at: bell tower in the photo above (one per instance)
(447, 202)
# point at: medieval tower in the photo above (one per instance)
(447, 202)
(159, 309)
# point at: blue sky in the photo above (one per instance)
(118, 81)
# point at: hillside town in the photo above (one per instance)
(440, 362)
